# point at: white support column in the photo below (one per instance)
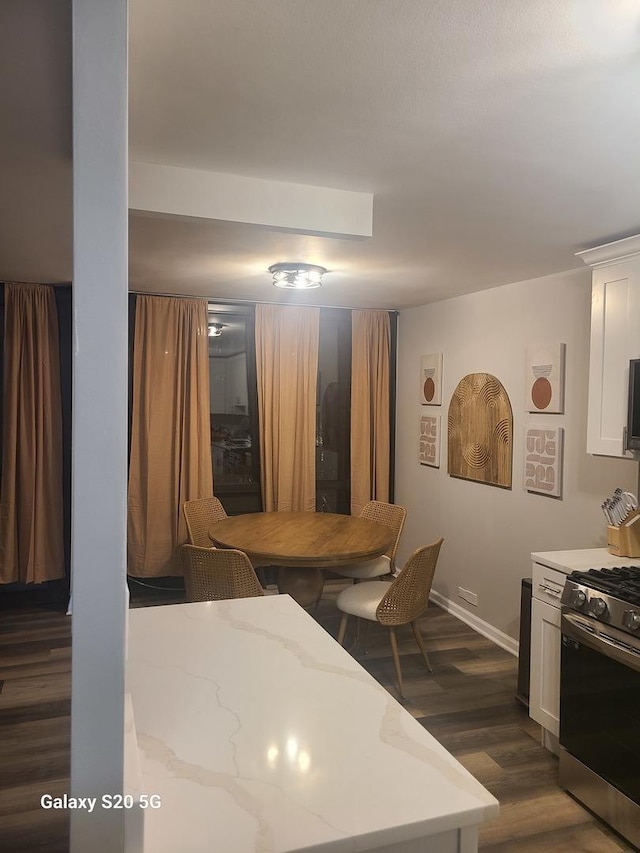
(99, 417)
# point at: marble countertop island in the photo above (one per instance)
(260, 733)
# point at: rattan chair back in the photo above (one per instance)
(408, 595)
(200, 515)
(390, 514)
(213, 574)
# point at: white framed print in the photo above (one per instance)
(431, 379)
(543, 452)
(544, 380)
(430, 440)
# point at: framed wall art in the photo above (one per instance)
(544, 381)
(431, 379)
(480, 423)
(543, 451)
(430, 440)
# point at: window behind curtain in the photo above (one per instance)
(237, 467)
(333, 407)
(236, 456)
(235, 450)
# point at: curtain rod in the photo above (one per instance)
(227, 300)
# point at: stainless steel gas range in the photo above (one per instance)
(600, 695)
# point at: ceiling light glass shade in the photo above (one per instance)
(297, 275)
(215, 329)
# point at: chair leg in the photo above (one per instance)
(420, 642)
(365, 637)
(396, 659)
(317, 604)
(342, 629)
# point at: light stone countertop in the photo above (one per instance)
(261, 734)
(582, 560)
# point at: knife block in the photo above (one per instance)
(624, 541)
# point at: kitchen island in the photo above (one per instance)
(260, 733)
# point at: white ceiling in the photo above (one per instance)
(498, 138)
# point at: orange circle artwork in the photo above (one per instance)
(429, 389)
(541, 393)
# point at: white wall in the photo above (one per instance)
(490, 532)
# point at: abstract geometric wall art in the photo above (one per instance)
(543, 447)
(544, 380)
(431, 379)
(430, 440)
(480, 421)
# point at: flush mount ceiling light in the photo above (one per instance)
(215, 329)
(297, 275)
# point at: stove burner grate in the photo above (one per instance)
(622, 582)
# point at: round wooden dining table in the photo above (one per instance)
(301, 544)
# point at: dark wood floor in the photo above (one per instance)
(467, 704)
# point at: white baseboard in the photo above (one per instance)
(498, 637)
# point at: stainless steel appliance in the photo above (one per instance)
(600, 695)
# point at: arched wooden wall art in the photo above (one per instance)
(480, 431)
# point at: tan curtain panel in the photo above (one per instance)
(170, 430)
(31, 526)
(370, 439)
(287, 368)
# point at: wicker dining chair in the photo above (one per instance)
(213, 574)
(382, 513)
(200, 515)
(393, 603)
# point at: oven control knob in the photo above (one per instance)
(578, 598)
(598, 606)
(631, 619)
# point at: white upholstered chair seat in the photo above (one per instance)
(394, 603)
(392, 516)
(370, 569)
(362, 599)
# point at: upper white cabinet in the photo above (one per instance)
(615, 339)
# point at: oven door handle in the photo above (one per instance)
(575, 627)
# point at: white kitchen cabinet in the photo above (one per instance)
(544, 687)
(615, 339)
